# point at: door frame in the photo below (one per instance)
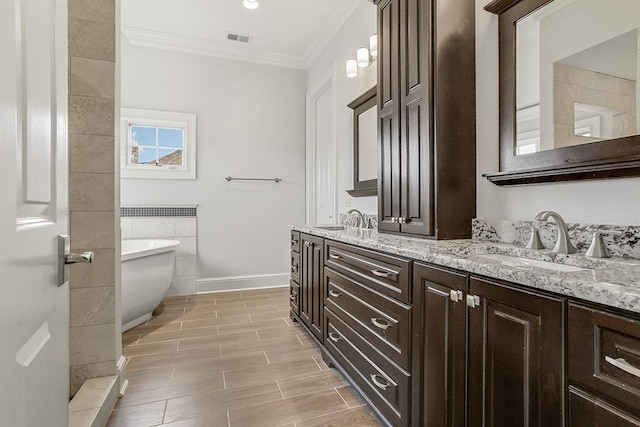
(327, 83)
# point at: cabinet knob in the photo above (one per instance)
(473, 301)
(334, 256)
(334, 337)
(394, 220)
(381, 385)
(334, 294)
(456, 296)
(403, 220)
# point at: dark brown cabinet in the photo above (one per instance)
(516, 368)
(312, 283)
(426, 115)
(440, 348)
(294, 283)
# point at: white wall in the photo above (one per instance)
(353, 34)
(250, 124)
(613, 201)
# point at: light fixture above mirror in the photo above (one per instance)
(364, 57)
(251, 4)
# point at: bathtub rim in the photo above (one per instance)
(171, 245)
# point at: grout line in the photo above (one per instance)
(228, 418)
(258, 335)
(173, 370)
(279, 389)
(301, 343)
(224, 380)
(266, 357)
(181, 323)
(164, 412)
(138, 340)
(317, 364)
(341, 397)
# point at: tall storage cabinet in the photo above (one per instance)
(426, 114)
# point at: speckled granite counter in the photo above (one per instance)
(614, 282)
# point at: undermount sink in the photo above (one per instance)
(330, 227)
(514, 261)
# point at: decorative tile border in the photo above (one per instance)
(518, 233)
(166, 211)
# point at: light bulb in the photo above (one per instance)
(251, 4)
(373, 45)
(363, 57)
(352, 68)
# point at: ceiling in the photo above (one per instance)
(288, 33)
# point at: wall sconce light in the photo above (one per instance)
(251, 4)
(373, 45)
(363, 57)
(352, 68)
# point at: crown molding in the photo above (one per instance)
(198, 46)
(333, 25)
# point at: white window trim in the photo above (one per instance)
(185, 121)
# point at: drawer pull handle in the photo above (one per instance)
(620, 363)
(380, 385)
(382, 273)
(334, 256)
(294, 268)
(294, 243)
(380, 323)
(334, 294)
(293, 296)
(334, 337)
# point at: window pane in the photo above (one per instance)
(170, 138)
(170, 157)
(141, 135)
(146, 155)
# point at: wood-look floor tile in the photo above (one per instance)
(268, 315)
(146, 415)
(156, 328)
(207, 404)
(272, 372)
(303, 384)
(262, 303)
(129, 339)
(350, 396)
(229, 320)
(288, 410)
(283, 355)
(241, 347)
(321, 363)
(173, 357)
(252, 326)
(149, 376)
(289, 330)
(224, 312)
(219, 419)
(204, 366)
(150, 348)
(361, 417)
(174, 335)
(136, 395)
(218, 340)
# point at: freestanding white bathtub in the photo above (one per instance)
(147, 269)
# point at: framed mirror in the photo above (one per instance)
(569, 104)
(365, 144)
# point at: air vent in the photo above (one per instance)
(238, 38)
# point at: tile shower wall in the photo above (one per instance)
(171, 223)
(92, 189)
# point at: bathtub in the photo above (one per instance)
(147, 269)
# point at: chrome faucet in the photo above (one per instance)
(563, 244)
(360, 217)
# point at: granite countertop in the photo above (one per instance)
(613, 281)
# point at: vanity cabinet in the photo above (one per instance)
(426, 172)
(294, 283)
(604, 368)
(312, 284)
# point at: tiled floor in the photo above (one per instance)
(231, 359)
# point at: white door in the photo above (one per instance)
(321, 155)
(34, 309)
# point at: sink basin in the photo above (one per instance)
(514, 261)
(330, 227)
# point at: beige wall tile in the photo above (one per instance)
(90, 39)
(627, 87)
(91, 116)
(92, 306)
(86, 418)
(91, 191)
(92, 229)
(93, 10)
(92, 344)
(100, 273)
(90, 77)
(91, 153)
(79, 373)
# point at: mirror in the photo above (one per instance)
(568, 90)
(365, 145)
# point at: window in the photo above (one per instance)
(158, 144)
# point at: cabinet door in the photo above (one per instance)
(515, 357)
(440, 347)
(311, 301)
(587, 411)
(388, 115)
(416, 130)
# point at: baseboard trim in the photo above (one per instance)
(241, 283)
(123, 382)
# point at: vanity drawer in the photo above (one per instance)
(294, 297)
(383, 322)
(587, 411)
(385, 273)
(295, 266)
(604, 355)
(295, 241)
(386, 384)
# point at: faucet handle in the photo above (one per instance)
(598, 249)
(534, 240)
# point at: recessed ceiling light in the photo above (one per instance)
(251, 4)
